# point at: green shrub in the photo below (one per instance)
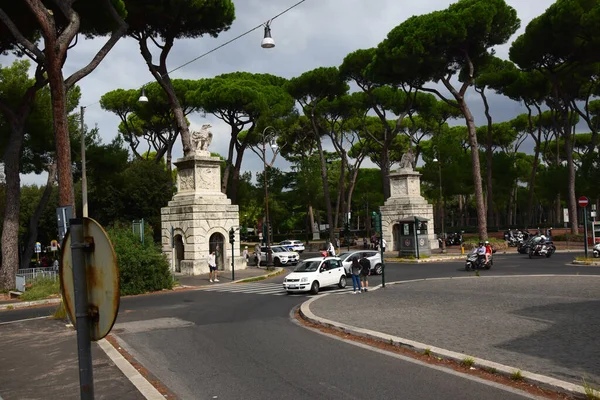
(143, 267)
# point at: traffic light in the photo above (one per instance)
(231, 236)
(376, 221)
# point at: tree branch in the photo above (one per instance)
(22, 40)
(114, 37)
(442, 97)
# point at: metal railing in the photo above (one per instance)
(31, 274)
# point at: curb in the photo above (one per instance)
(540, 380)
(25, 304)
(277, 271)
(142, 385)
(588, 263)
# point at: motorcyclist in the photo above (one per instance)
(488, 251)
(481, 253)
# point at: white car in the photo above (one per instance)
(314, 273)
(280, 256)
(295, 245)
(373, 256)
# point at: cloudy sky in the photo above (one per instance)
(316, 33)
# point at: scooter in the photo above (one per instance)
(596, 250)
(475, 261)
(545, 249)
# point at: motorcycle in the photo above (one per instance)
(475, 261)
(596, 250)
(545, 249)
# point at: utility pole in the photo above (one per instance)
(84, 199)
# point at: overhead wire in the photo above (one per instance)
(219, 46)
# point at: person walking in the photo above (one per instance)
(364, 272)
(355, 269)
(330, 249)
(246, 254)
(383, 244)
(212, 266)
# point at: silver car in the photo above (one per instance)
(373, 256)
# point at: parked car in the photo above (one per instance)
(373, 256)
(315, 273)
(281, 256)
(293, 245)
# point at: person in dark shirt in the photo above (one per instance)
(364, 272)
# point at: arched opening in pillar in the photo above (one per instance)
(215, 242)
(395, 237)
(179, 251)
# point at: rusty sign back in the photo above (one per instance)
(102, 275)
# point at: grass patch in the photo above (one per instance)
(10, 307)
(467, 362)
(255, 279)
(492, 370)
(517, 375)
(41, 289)
(477, 272)
(427, 352)
(591, 393)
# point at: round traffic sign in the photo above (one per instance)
(583, 201)
(102, 276)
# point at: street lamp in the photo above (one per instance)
(441, 200)
(267, 42)
(273, 145)
(143, 98)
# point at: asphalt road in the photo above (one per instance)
(241, 345)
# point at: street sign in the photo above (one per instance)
(38, 247)
(54, 245)
(63, 215)
(583, 201)
(102, 276)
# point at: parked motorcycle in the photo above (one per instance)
(596, 250)
(545, 249)
(475, 261)
(454, 239)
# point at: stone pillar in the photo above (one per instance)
(198, 211)
(405, 201)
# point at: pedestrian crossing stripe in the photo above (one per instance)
(274, 289)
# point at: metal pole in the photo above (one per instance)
(83, 170)
(416, 238)
(268, 235)
(84, 345)
(442, 208)
(585, 235)
(232, 262)
(381, 252)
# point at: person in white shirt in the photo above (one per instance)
(212, 266)
(331, 249)
(246, 254)
(383, 244)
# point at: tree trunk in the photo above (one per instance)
(161, 75)
(311, 219)
(340, 194)
(58, 92)
(35, 218)
(476, 166)
(10, 228)
(385, 174)
(489, 155)
(571, 198)
(235, 178)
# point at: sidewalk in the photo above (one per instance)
(224, 276)
(39, 361)
(516, 325)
